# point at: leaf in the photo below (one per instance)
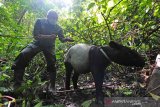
(23, 103)
(0, 99)
(43, 83)
(86, 103)
(5, 75)
(155, 97)
(156, 11)
(39, 104)
(128, 93)
(1, 105)
(59, 105)
(90, 6)
(142, 85)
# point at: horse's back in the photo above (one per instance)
(78, 56)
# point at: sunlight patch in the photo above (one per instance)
(1, 4)
(111, 3)
(64, 3)
(100, 18)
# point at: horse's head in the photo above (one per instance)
(124, 55)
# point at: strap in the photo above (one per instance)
(105, 54)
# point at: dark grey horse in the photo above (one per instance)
(83, 58)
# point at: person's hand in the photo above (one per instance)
(69, 39)
(38, 37)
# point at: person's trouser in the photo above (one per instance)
(26, 55)
(154, 82)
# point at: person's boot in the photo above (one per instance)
(52, 77)
(18, 78)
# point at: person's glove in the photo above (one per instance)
(69, 39)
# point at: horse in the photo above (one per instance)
(84, 58)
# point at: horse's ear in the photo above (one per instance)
(115, 45)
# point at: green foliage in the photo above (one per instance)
(38, 105)
(155, 97)
(86, 103)
(91, 5)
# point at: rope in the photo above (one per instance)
(105, 54)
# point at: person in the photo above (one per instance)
(154, 81)
(45, 32)
(158, 61)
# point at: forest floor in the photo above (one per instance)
(116, 84)
(86, 92)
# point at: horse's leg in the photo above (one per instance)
(98, 79)
(69, 70)
(75, 79)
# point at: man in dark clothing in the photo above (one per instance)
(45, 32)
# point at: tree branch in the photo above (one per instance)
(112, 9)
(110, 35)
(150, 32)
(23, 13)
(106, 18)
